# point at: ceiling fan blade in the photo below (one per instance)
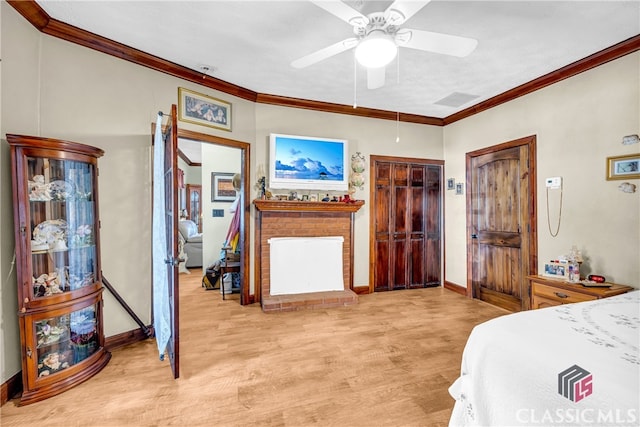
(325, 53)
(436, 42)
(342, 11)
(400, 11)
(375, 77)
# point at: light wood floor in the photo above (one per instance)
(386, 361)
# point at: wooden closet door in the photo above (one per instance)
(407, 225)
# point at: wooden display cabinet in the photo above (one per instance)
(59, 277)
(194, 204)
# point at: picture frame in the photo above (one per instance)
(459, 188)
(313, 197)
(557, 270)
(623, 167)
(222, 187)
(451, 184)
(199, 109)
(305, 197)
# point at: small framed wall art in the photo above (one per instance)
(623, 167)
(451, 184)
(222, 187)
(203, 110)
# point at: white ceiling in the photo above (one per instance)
(252, 43)
(191, 149)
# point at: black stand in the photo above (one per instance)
(148, 331)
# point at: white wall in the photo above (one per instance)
(578, 123)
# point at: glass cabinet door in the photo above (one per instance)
(60, 339)
(62, 219)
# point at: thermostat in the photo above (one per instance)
(554, 182)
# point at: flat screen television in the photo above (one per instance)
(308, 163)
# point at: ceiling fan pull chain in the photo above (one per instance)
(355, 83)
(398, 69)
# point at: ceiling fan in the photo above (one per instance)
(378, 36)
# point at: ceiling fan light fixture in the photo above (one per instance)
(376, 50)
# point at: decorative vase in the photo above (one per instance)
(357, 180)
(357, 163)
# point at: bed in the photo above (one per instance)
(574, 364)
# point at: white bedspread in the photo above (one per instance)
(511, 365)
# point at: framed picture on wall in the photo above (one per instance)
(222, 187)
(623, 167)
(451, 184)
(203, 110)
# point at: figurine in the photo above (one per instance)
(38, 190)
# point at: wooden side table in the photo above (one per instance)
(548, 292)
(228, 265)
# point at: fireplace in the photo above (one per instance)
(318, 225)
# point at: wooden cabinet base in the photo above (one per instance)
(94, 365)
(547, 292)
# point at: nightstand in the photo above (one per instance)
(548, 292)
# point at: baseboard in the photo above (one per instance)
(126, 338)
(11, 388)
(361, 290)
(455, 288)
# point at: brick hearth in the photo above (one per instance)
(304, 219)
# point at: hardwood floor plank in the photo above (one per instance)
(386, 361)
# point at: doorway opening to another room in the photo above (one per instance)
(205, 198)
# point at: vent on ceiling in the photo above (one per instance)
(456, 99)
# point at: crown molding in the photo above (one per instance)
(606, 55)
(35, 15)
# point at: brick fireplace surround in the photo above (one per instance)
(304, 219)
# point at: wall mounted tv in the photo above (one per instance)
(308, 163)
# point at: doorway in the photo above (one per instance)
(406, 215)
(501, 223)
(243, 153)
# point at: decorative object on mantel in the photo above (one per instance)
(357, 176)
(627, 187)
(261, 183)
(630, 139)
(623, 167)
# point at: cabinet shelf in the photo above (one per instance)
(60, 282)
(56, 251)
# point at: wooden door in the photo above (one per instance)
(406, 214)
(502, 223)
(172, 213)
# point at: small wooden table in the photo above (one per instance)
(227, 266)
(548, 292)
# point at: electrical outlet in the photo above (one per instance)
(554, 182)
